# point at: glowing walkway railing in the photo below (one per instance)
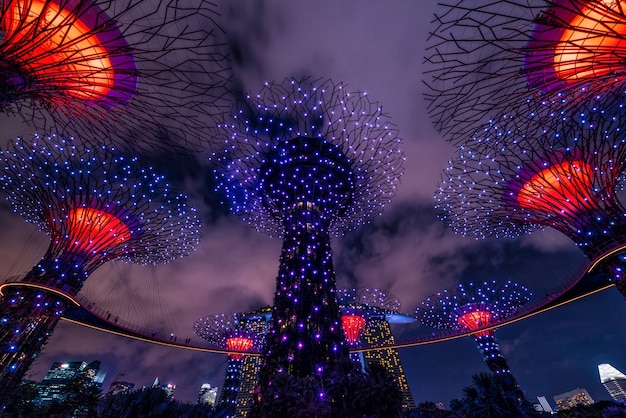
(83, 312)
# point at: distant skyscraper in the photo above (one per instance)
(207, 395)
(377, 333)
(258, 322)
(168, 389)
(545, 405)
(61, 374)
(613, 381)
(572, 398)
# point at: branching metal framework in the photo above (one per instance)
(153, 71)
(486, 57)
(306, 160)
(97, 205)
(551, 168)
(223, 330)
(473, 306)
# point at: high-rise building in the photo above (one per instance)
(207, 394)
(572, 398)
(169, 389)
(544, 404)
(61, 374)
(377, 333)
(613, 381)
(255, 321)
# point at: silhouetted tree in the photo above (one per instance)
(491, 396)
(21, 404)
(428, 409)
(344, 390)
(153, 402)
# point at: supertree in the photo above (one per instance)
(97, 205)
(366, 315)
(112, 68)
(359, 305)
(486, 57)
(226, 332)
(472, 307)
(550, 168)
(306, 160)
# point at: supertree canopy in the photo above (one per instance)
(358, 305)
(104, 68)
(304, 161)
(223, 331)
(97, 205)
(545, 169)
(472, 307)
(486, 57)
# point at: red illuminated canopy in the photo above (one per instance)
(476, 320)
(581, 42)
(586, 42)
(68, 46)
(563, 189)
(352, 325)
(239, 344)
(93, 230)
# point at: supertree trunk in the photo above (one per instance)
(490, 349)
(28, 315)
(27, 319)
(232, 381)
(305, 333)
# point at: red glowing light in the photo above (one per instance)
(575, 54)
(352, 325)
(67, 49)
(239, 344)
(93, 230)
(563, 189)
(577, 40)
(476, 320)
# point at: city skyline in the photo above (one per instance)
(407, 252)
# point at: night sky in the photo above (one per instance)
(377, 47)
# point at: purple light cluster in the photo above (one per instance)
(481, 192)
(45, 178)
(217, 329)
(367, 299)
(501, 299)
(354, 129)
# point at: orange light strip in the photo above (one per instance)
(41, 287)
